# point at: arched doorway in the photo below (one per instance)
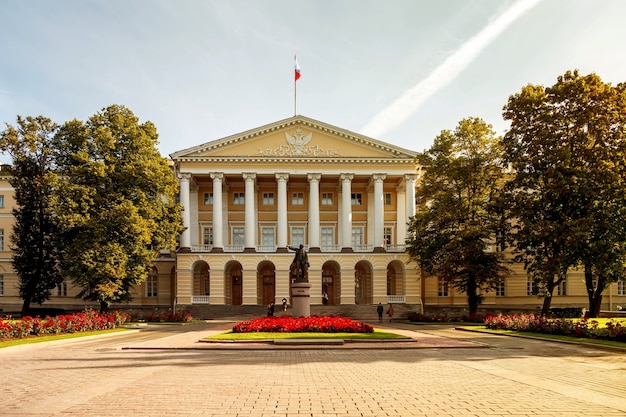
(201, 283)
(233, 275)
(266, 282)
(331, 281)
(395, 280)
(363, 283)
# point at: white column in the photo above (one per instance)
(409, 180)
(346, 210)
(218, 240)
(379, 207)
(281, 220)
(185, 237)
(314, 210)
(250, 226)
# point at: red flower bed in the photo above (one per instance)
(67, 323)
(316, 324)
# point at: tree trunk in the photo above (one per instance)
(547, 301)
(472, 296)
(26, 306)
(104, 307)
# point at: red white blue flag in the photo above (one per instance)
(297, 68)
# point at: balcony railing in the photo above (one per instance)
(324, 248)
(201, 248)
(363, 248)
(396, 299)
(200, 299)
(395, 248)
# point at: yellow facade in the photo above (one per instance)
(248, 197)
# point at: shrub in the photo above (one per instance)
(66, 323)
(587, 328)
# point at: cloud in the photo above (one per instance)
(408, 103)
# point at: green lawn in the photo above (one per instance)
(48, 338)
(599, 342)
(377, 335)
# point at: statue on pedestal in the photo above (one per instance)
(300, 264)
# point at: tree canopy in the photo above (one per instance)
(567, 149)
(116, 205)
(34, 245)
(458, 217)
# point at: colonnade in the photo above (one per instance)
(282, 178)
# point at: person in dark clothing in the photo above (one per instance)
(270, 309)
(379, 310)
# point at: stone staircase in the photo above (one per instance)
(244, 312)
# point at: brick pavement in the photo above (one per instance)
(511, 377)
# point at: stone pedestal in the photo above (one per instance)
(301, 299)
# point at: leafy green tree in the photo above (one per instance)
(458, 216)
(35, 252)
(116, 204)
(567, 149)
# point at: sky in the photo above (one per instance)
(400, 71)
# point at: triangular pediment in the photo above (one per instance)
(294, 138)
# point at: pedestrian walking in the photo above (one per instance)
(390, 313)
(379, 310)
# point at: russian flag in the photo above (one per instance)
(297, 68)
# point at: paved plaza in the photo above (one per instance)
(165, 371)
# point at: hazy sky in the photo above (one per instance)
(398, 70)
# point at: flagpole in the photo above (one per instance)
(295, 89)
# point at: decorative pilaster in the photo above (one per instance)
(379, 207)
(185, 237)
(218, 239)
(346, 212)
(314, 212)
(281, 219)
(250, 226)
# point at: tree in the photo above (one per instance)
(35, 251)
(567, 149)
(116, 204)
(458, 218)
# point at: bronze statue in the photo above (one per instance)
(300, 264)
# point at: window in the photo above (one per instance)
(357, 199)
(530, 286)
(60, 290)
(388, 235)
(387, 199)
(500, 288)
(208, 199)
(297, 236)
(357, 236)
(268, 199)
(443, 290)
(152, 283)
(238, 236)
(327, 199)
(239, 199)
(1, 284)
(621, 287)
(561, 289)
(267, 236)
(328, 236)
(1, 239)
(297, 199)
(1, 201)
(207, 235)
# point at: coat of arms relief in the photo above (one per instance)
(298, 145)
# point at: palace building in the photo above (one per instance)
(250, 197)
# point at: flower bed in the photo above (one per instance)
(164, 317)
(67, 323)
(316, 324)
(587, 328)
